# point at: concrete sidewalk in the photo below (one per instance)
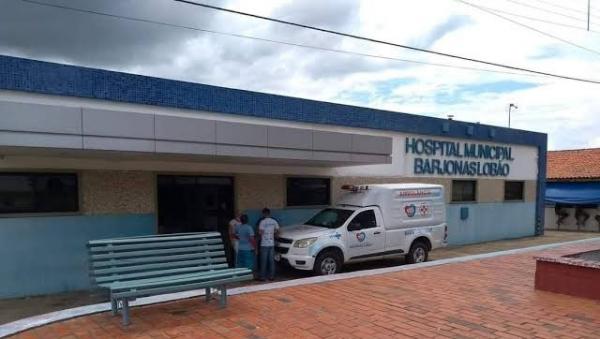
(486, 298)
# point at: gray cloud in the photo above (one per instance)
(334, 14)
(453, 23)
(340, 15)
(62, 35)
(245, 51)
(341, 65)
(59, 34)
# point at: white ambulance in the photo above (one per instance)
(368, 223)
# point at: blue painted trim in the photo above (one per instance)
(34, 76)
(541, 188)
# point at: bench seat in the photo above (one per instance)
(144, 287)
(150, 265)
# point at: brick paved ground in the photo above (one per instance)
(477, 299)
(19, 308)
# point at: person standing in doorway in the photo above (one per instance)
(267, 229)
(246, 244)
(233, 238)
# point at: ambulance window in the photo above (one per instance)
(330, 218)
(365, 219)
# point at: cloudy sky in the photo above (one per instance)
(568, 111)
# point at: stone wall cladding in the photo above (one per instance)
(108, 192)
(253, 191)
(490, 190)
(530, 190)
(112, 192)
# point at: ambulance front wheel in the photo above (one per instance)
(328, 262)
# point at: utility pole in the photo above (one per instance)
(588, 21)
(510, 107)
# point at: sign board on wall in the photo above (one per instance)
(431, 156)
(449, 158)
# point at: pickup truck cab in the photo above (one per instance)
(368, 223)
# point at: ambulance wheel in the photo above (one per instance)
(328, 262)
(418, 253)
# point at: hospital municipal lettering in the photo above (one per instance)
(492, 165)
(115, 154)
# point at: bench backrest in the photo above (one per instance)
(154, 256)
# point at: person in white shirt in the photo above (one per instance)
(267, 229)
(233, 237)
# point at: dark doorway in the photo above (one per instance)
(194, 203)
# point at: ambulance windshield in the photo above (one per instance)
(330, 218)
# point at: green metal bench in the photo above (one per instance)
(150, 265)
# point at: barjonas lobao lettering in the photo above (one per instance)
(493, 164)
(460, 167)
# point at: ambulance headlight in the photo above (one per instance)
(303, 243)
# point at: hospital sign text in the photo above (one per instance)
(438, 157)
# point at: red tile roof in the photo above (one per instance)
(580, 164)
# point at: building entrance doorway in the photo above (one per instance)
(194, 203)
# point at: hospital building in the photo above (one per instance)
(90, 153)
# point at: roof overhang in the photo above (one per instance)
(34, 129)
